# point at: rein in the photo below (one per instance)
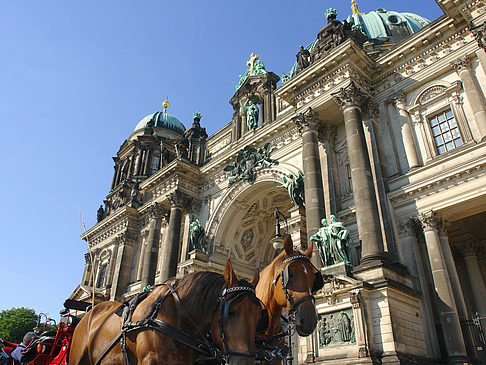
(201, 345)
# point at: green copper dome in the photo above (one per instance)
(162, 120)
(383, 26)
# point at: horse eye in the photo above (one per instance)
(291, 275)
(232, 312)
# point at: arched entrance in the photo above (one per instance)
(244, 223)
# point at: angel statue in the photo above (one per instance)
(295, 187)
(196, 235)
(251, 113)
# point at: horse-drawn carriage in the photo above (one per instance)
(202, 317)
(50, 347)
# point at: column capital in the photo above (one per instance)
(461, 63)
(431, 220)
(178, 199)
(350, 95)
(307, 120)
(399, 99)
(327, 132)
(156, 211)
(124, 238)
(480, 34)
(409, 226)
(370, 108)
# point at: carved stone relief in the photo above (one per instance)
(336, 329)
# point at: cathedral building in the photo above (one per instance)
(380, 129)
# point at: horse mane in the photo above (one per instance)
(199, 291)
(267, 276)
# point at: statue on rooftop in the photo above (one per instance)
(303, 58)
(100, 213)
(333, 33)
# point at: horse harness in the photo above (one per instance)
(284, 276)
(202, 344)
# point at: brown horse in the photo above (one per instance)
(288, 283)
(211, 313)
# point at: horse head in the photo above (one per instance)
(295, 281)
(238, 318)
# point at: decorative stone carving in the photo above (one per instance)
(327, 132)
(248, 162)
(431, 220)
(336, 329)
(295, 188)
(460, 64)
(178, 199)
(355, 299)
(256, 68)
(431, 92)
(409, 226)
(307, 120)
(155, 211)
(350, 95)
(480, 34)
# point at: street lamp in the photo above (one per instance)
(277, 240)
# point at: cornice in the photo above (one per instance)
(113, 224)
(438, 182)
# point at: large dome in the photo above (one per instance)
(382, 26)
(162, 120)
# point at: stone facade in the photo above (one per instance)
(391, 140)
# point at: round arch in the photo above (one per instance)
(243, 222)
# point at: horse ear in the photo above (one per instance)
(229, 274)
(256, 278)
(309, 250)
(288, 245)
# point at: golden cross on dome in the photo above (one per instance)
(251, 61)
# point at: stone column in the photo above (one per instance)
(151, 249)
(473, 93)
(121, 275)
(407, 132)
(478, 288)
(409, 255)
(451, 267)
(447, 310)
(314, 196)
(327, 139)
(350, 99)
(170, 250)
(378, 169)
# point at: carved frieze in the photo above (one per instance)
(336, 329)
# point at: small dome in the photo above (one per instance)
(387, 26)
(162, 120)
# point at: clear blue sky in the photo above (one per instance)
(76, 77)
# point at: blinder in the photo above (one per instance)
(318, 280)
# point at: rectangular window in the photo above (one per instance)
(445, 132)
(101, 276)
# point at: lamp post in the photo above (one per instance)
(277, 240)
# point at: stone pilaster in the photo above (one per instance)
(314, 196)
(350, 99)
(151, 248)
(447, 310)
(407, 132)
(124, 257)
(471, 253)
(409, 255)
(327, 143)
(473, 93)
(170, 251)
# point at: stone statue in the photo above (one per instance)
(303, 58)
(251, 113)
(196, 236)
(333, 33)
(295, 187)
(100, 213)
(182, 147)
(332, 242)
